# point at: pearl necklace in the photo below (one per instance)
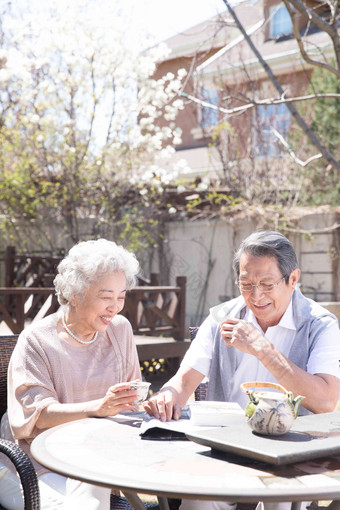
(75, 337)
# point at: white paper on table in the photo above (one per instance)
(186, 425)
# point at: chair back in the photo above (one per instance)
(7, 344)
(201, 390)
(193, 332)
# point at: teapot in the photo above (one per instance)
(270, 412)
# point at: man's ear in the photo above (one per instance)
(294, 277)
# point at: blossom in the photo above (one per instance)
(82, 80)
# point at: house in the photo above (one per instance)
(224, 71)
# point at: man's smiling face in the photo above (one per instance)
(268, 307)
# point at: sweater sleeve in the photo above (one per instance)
(30, 386)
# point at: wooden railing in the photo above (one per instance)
(37, 269)
(152, 310)
(22, 305)
(29, 269)
(157, 310)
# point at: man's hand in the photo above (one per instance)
(163, 405)
(168, 402)
(244, 336)
(320, 390)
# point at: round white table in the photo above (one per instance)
(111, 453)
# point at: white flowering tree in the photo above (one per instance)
(78, 116)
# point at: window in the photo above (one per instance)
(281, 23)
(209, 116)
(266, 118)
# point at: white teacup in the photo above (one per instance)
(142, 388)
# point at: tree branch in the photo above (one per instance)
(329, 28)
(112, 114)
(93, 113)
(292, 153)
(313, 16)
(311, 135)
(334, 10)
(303, 52)
(253, 104)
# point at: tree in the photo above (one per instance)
(323, 114)
(330, 27)
(78, 117)
(242, 101)
(326, 111)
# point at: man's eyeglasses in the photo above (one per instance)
(263, 287)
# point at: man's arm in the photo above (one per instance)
(168, 402)
(320, 390)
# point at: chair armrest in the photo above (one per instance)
(26, 471)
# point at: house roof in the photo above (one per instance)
(232, 52)
(283, 53)
(213, 33)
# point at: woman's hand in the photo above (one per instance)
(118, 398)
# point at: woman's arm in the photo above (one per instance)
(118, 398)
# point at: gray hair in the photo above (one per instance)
(267, 243)
(89, 260)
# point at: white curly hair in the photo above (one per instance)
(89, 260)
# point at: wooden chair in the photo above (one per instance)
(21, 461)
(121, 503)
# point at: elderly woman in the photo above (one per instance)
(76, 363)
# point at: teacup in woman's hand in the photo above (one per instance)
(142, 388)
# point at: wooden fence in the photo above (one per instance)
(38, 269)
(152, 310)
(19, 306)
(30, 269)
(156, 312)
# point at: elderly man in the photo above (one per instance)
(270, 333)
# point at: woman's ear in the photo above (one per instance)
(74, 301)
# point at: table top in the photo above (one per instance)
(110, 452)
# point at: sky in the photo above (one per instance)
(161, 18)
(165, 18)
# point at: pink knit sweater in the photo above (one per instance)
(44, 369)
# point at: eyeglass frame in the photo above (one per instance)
(253, 285)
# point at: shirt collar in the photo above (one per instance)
(287, 319)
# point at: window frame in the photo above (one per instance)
(266, 117)
(207, 117)
(275, 31)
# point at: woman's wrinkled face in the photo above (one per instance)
(102, 301)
